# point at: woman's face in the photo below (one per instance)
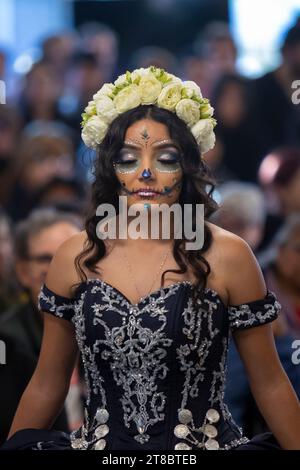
(149, 165)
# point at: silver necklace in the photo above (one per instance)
(133, 279)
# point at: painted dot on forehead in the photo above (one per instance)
(145, 136)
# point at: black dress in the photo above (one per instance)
(154, 371)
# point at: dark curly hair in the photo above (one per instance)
(197, 187)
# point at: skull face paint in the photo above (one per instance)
(149, 164)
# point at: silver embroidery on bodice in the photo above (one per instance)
(188, 346)
(136, 356)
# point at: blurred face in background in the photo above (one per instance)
(43, 168)
(221, 55)
(59, 49)
(42, 86)
(288, 260)
(42, 159)
(9, 134)
(6, 249)
(105, 46)
(86, 79)
(289, 195)
(231, 105)
(32, 271)
(195, 69)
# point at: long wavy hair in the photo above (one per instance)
(197, 188)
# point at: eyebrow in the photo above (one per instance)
(156, 144)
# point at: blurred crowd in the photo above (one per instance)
(46, 172)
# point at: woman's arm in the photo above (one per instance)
(45, 394)
(270, 386)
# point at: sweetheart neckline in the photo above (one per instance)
(153, 293)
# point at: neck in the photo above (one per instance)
(149, 228)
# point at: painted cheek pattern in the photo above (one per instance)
(130, 166)
(167, 167)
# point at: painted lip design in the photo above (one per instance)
(147, 192)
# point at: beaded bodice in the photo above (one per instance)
(155, 370)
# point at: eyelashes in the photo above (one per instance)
(165, 157)
(131, 162)
(165, 161)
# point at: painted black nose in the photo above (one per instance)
(146, 173)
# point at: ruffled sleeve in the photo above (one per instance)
(57, 305)
(254, 313)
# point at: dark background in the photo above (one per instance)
(138, 24)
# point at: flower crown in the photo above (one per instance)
(149, 86)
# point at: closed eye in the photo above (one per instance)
(126, 162)
(169, 161)
(169, 156)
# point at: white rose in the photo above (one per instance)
(121, 80)
(188, 110)
(173, 79)
(191, 88)
(94, 132)
(106, 109)
(138, 73)
(149, 88)
(128, 98)
(90, 108)
(169, 96)
(206, 111)
(208, 143)
(204, 134)
(107, 89)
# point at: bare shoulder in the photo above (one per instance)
(230, 245)
(62, 274)
(237, 265)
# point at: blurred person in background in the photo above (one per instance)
(14, 381)
(10, 129)
(103, 42)
(193, 67)
(57, 51)
(67, 194)
(243, 212)
(42, 88)
(281, 264)
(9, 291)
(279, 176)
(216, 48)
(36, 241)
(84, 77)
(40, 158)
(240, 146)
(152, 55)
(278, 116)
(2, 64)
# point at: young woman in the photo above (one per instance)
(149, 316)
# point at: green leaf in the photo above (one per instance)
(128, 77)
